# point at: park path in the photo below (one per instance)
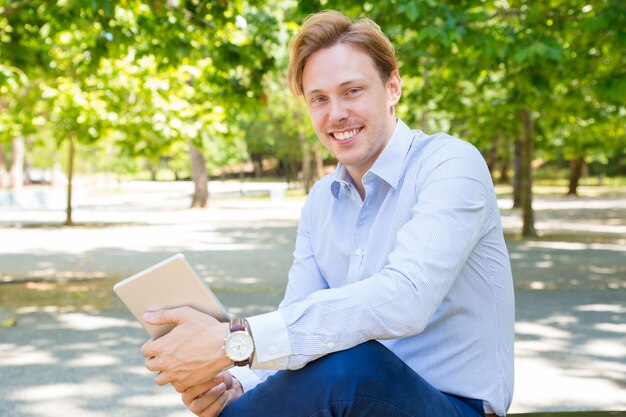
(570, 295)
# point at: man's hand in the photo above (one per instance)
(191, 353)
(210, 398)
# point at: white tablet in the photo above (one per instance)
(169, 284)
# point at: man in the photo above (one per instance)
(400, 297)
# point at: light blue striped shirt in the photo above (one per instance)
(419, 264)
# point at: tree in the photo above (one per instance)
(491, 69)
(54, 46)
(588, 125)
(73, 50)
(151, 77)
(15, 94)
(211, 80)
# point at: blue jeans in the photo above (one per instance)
(367, 380)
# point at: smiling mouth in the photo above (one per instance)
(346, 134)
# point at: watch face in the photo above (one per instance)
(239, 346)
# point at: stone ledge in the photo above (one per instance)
(573, 414)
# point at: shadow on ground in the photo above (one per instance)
(570, 327)
(88, 364)
(222, 255)
(79, 364)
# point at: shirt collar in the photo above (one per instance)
(390, 163)
(342, 178)
(388, 166)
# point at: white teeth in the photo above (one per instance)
(345, 135)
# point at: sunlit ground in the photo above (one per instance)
(71, 349)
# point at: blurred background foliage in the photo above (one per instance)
(197, 87)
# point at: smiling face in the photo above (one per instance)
(351, 109)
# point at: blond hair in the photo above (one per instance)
(328, 28)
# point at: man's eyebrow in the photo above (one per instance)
(343, 84)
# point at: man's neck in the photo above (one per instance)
(358, 183)
(357, 172)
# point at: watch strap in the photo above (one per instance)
(238, 324)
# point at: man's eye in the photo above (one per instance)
(317, 100)
(354, 90)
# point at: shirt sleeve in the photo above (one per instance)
(249, 378)
(430, 250)
(246, 377)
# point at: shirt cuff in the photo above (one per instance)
(272, 347)
(246, 377)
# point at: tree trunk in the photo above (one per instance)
(492, 156)
(16, 176)
(505, 164)
(517, 174)
(257, 163)
(576, 166)
(70, 176)
(200, 178)
(4, 173)
(152, 167)
(528, 220)
(27, 172)
(307, 172)
(242, 172)
(319, 160)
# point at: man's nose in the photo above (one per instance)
(338, 110)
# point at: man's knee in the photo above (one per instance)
(367, 371)
(364, 362)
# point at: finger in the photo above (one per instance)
(160, 317)
(197, 390)
(225, 399)
(236, 388)
(215, 409)
(163, 378)
(154, 364)
(182, 384)
(221, 377)
(149, 349)
(225, 377)
(208, 403)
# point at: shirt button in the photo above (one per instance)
(272, 350)
(358, 252)
(330, 345)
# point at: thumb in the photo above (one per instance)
(160, 317)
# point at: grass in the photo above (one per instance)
(554, 189)
(89, 294)
(562, 180)
(565, 236)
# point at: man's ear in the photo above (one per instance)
(394, 88)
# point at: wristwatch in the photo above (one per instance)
(238, 345)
